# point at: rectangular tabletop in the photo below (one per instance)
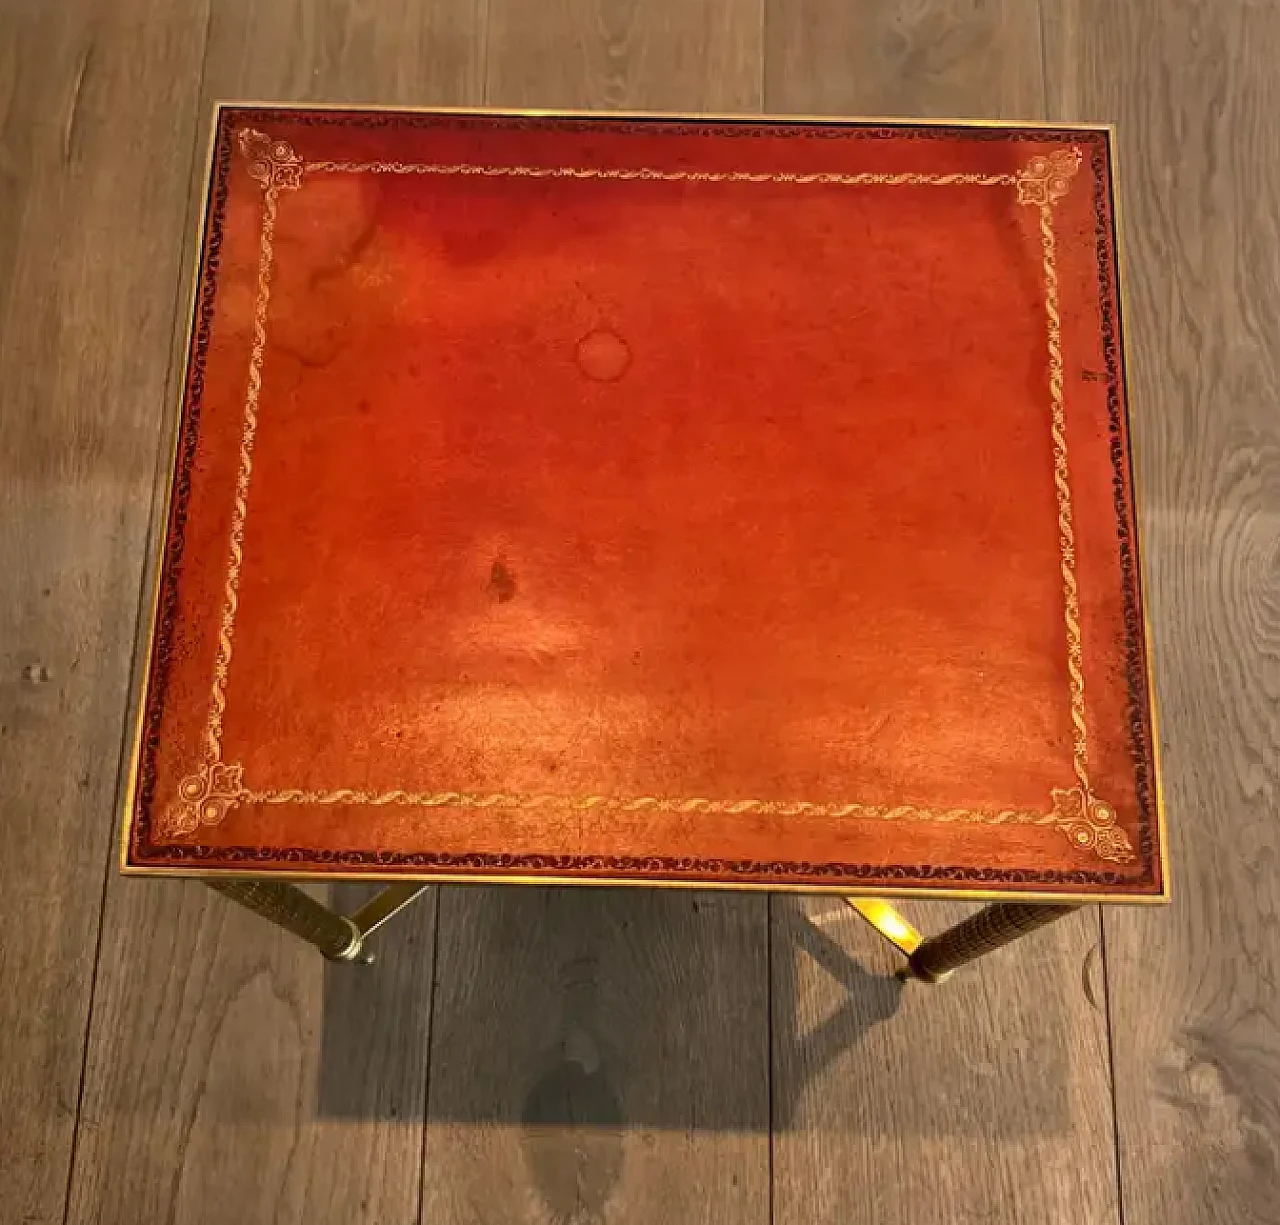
(652, 499)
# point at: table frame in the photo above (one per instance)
(341, 937)
(215, 786)
(929, 960)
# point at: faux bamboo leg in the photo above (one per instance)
(336, 936)
(991, 928)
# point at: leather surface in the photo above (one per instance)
(677, 528)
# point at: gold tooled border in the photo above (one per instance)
(140, 681)
(1142, 576)
(817, 888)
(206, 795)
(153, 572)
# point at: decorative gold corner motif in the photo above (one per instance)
(1090, 823)
(1046, 179)
(273, 163)
(204, 798)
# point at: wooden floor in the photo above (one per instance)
(573, 1057)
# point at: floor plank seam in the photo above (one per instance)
(431, 1029)
(768, 1003)
(122, 757)
(1111, 1062)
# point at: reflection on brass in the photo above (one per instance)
(886, 919)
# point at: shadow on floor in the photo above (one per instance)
(612, 1009)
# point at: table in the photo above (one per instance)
(657, 500)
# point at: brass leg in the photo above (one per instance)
(336, 936)
(889, 922)
(385, 906)
(991, 928)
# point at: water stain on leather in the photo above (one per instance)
(502, 582)
(345, 259)
(312, 348)
(603, 355)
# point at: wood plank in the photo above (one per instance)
(602, 1054)
(232, 1074)
(235, 1076)
(97, 110)
(939, 59)
(988, 1097)
(378, 51)
(1195, 1012)
(696, 55)
(599, 1054)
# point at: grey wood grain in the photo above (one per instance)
(672, 55)
(1195, 1006)
(234, 1075)
(599, 1055)
(97, 114)
(984, 1098)
(940, 59)
(231, 1074)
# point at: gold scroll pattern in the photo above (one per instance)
(647, 174)
(207, 795)
(1089, 822)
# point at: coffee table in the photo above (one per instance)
(652, 500)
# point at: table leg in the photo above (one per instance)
(991, 928)
(889, 922)
(336, 936)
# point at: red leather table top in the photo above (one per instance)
(732, 502)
